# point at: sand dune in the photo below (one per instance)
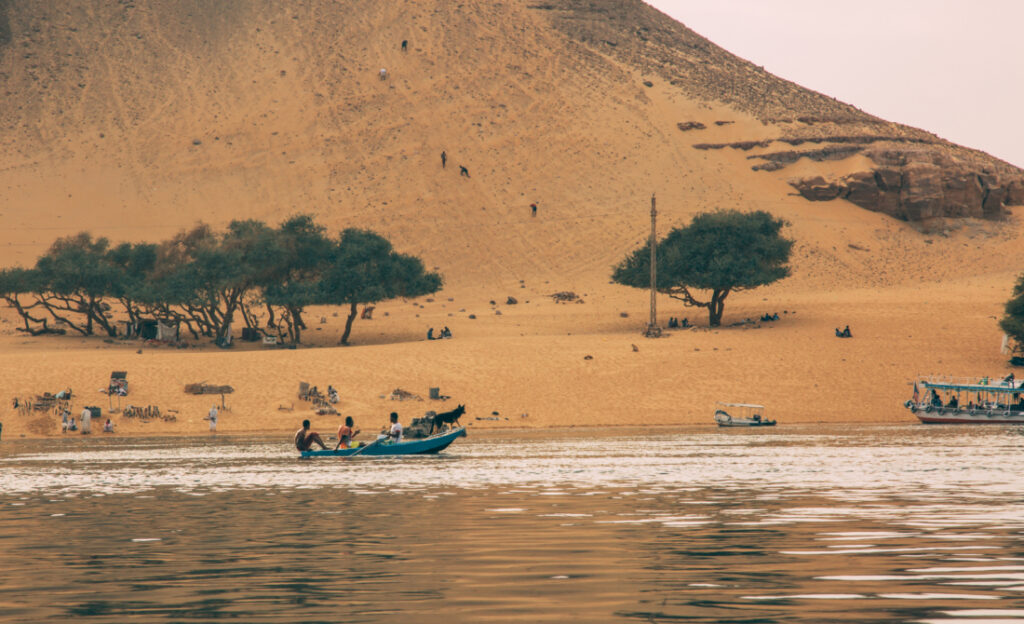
(133, 121)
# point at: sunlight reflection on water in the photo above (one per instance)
(878, 524)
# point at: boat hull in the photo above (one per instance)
(427, 446)
(1014, 418)
(751, 423)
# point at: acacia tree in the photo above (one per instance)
(720, 252)
(133, 265)
(1013, 322)
(294, 283)
(202, 278)
(18, 282)
(364, 268)
(74, 276)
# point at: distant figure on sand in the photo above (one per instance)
(444, 159)
(383, 73)
(533, 210)
(430, 334)
(108, 427)
(304, 438)
(212, 417)
(86, 421)
(463, 171)
(846, 332)
(405, 45)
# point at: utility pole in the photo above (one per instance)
(653, 331)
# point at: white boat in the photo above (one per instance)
(741, 415)
(948, 400)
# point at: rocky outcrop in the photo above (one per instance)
(686, 126)
(920, 186)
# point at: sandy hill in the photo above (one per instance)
(133, 120)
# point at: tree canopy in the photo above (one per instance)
(720, 252)
(204, 279)
(1013, 322)
(365, 269)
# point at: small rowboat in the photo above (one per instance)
(426, 446)
(743, 415)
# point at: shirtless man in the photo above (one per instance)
(345, 433)
(304, 438)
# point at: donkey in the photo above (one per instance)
(447, 418)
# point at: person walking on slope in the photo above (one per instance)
(444, 159)
(463, 171)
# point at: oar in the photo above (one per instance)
(363, 448)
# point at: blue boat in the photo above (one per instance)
(426, 446)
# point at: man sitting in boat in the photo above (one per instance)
(345, 433)
(395, 433)
(304, 438)
(953, 402)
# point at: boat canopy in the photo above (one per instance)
(996, 387)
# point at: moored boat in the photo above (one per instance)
(426, 446)
(947, 400)
(741, 415)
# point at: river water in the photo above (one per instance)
(795, 524)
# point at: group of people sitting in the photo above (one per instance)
(769, 317)
(67, 422)
(445, 333)
(674, 323)
(305, 438)
(845, 333)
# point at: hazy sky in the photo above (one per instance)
(952, 67)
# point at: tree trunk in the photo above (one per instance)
(271, 322)
(348, 324)
(296, 323)
(716, 306)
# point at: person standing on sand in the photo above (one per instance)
(86, 421)
(304, 438)
(212, 417)
(405, 45)
(444, 159)
(533, 210)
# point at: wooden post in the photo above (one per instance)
(653, 331)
